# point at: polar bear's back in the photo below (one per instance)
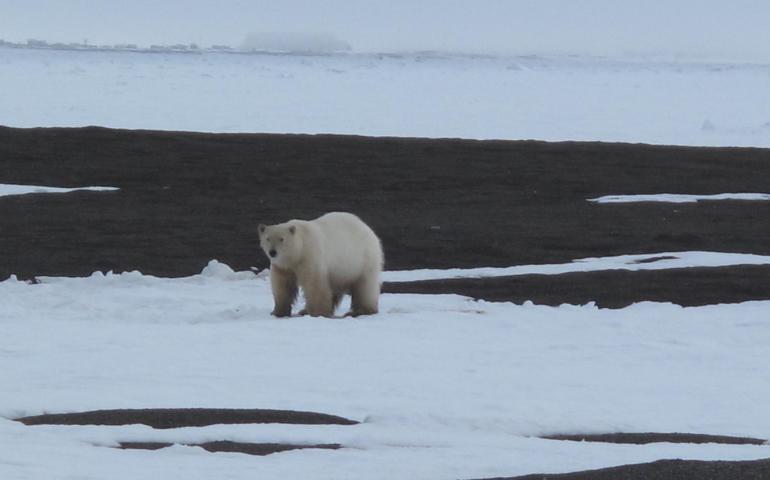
(351, 248)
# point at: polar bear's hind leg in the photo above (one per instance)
(365, 296)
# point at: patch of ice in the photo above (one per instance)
(12, 189)
(679, 198)
(651, 261)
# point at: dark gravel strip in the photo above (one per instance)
(186, 198)
(645, 438)
(234, 447)
(185, 417)
(609, 288)
(666, 470)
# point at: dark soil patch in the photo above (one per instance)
(186, 198)
(666, 470)
(185, 417)
(233, 447)
(645, 438)
(609, 288)
(655, 259)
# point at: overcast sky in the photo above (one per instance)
(724, 28)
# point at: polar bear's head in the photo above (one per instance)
(281, 243)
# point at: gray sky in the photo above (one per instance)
(733, 29)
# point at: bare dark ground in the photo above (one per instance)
(667, 470)
(232, 447)
(185, 417)
(186, 198)
(166, 418)
(650, 437)
(609, 288)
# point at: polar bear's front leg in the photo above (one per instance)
(284, 285)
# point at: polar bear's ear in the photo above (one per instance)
(261, 229)
(292, 229)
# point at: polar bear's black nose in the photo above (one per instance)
(272, 253)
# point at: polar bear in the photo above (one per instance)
(333, 255)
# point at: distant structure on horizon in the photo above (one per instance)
(254, 43)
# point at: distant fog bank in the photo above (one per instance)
(294, 42)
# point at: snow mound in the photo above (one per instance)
(221, 271)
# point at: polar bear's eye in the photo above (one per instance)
(281, 240)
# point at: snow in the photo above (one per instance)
(652, 261)
(7, 189)
(679, 197)
(446, 387)
(631, 99)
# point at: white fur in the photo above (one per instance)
(333, 255)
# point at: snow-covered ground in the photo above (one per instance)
(526, 97)
(446, 387)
